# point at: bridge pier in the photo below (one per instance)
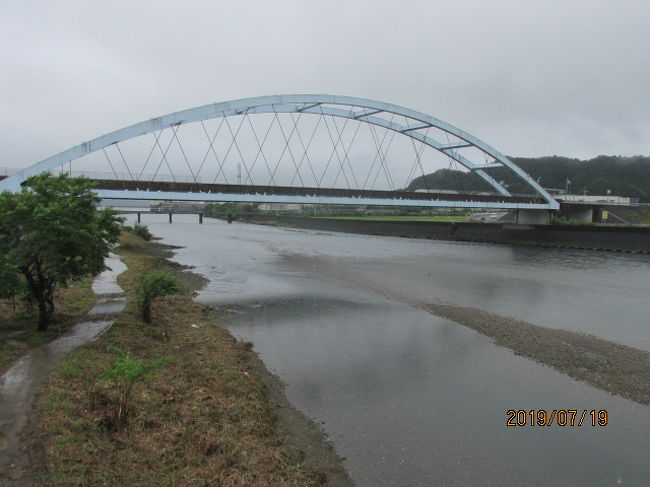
(579, 213)
(139, 218)
(533, 217)
(170, 217)
(200, 218)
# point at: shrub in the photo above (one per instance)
(155, 285)
(130, 241)
(143, 232)
(124, 373)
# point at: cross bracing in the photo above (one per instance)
(305, 141)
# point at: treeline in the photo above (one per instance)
(230, 210)
(623, 176)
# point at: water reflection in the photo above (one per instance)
(411, 399)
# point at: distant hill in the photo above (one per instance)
(624, 176)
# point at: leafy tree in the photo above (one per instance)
(52, 234)
(10, 284)
(219, 210)
(155, 285)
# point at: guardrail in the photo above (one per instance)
(167, 178)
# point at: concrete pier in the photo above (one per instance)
(533, 217)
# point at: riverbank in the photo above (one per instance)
(593, 237)
(209, 416)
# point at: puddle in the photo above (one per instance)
(107, 306)
(19, 384)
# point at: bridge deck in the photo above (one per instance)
(186, 191)
(236, 189)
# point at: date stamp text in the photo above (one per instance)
(559, 417)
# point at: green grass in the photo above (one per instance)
(450, 218)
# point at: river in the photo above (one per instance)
(411, 399)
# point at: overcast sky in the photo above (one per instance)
(529, 77)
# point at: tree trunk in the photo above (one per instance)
(146, 312)
(45, 309)
(43, 318)
(40, 288)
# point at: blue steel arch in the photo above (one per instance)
(360, 109)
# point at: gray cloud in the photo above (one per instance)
(531, 77)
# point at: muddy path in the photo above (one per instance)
(20, 383)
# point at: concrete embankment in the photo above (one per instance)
(615, 238)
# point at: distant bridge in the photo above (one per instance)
(359, 174)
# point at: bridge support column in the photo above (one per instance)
(578, 213)
(139, 219)
(533, 217)
(201, 218)
(170, 217)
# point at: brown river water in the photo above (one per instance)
(411, 399)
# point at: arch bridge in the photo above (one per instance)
(296, 175)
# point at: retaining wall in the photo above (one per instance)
(635, 239)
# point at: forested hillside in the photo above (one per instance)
(624, 176)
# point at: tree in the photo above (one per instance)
(10, 284)
(219, 210)
(155, 285)
(52, 233)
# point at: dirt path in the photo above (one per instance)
(20, 383)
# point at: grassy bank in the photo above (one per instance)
(18, 332)
(203, 419)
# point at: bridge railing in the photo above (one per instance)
(125, 176)
(8, 171)
(115, 176)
